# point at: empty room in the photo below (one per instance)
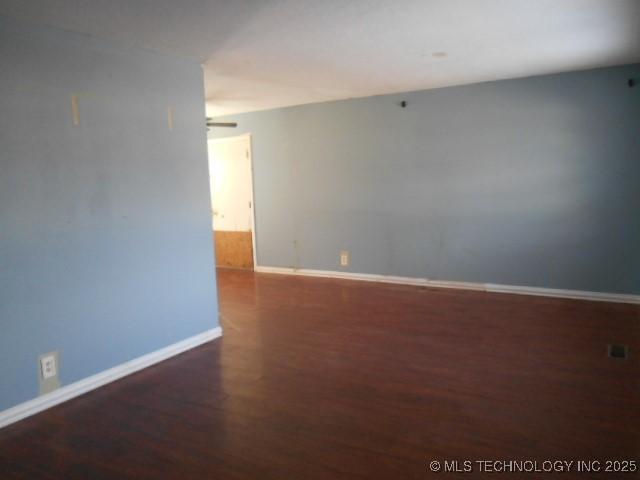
(310, 240)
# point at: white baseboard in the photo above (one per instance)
(80, 387)
(484, 287)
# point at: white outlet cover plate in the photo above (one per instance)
(48, 366)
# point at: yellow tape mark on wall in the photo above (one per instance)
(75, 110)
(170, 118)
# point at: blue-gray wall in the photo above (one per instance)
(530, 182)
(105, 229)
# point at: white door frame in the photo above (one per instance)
(253, 203)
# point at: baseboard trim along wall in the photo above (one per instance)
(483, 287)
(80, 387)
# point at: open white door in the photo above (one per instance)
(232, 200)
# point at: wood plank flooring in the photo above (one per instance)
(330, 379)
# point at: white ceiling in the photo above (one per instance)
(271, 53)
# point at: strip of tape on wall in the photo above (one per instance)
(75, 110)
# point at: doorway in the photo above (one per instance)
(231, 181)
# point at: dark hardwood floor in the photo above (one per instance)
(328, 379)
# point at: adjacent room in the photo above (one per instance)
(294, 239)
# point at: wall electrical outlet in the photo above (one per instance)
(344, 258)
(48, 366)
(49, 369)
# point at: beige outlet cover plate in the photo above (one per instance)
(48, 385)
